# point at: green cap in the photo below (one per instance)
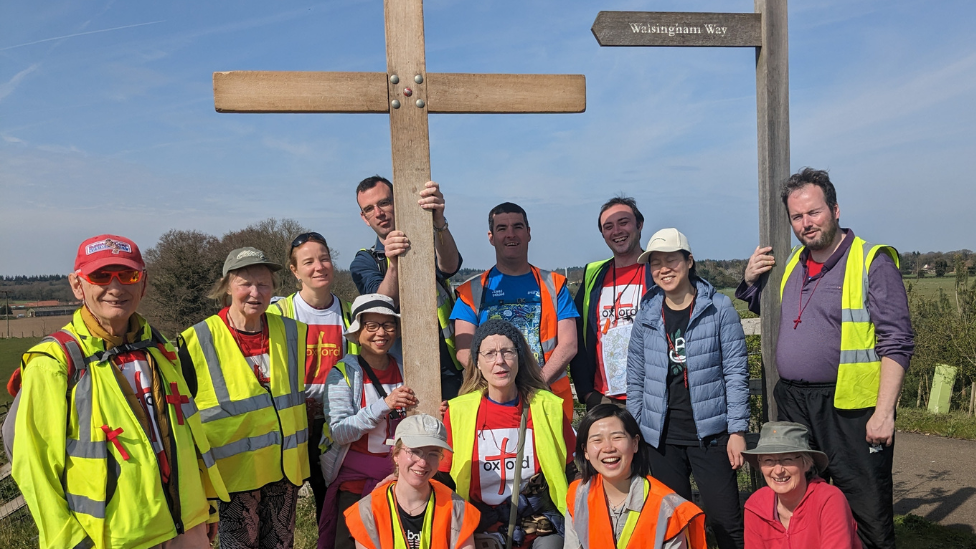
(247, 256)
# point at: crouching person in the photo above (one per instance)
(110, 451)
(414, 510)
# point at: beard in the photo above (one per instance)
(827, 235)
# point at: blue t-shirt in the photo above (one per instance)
(516, 299)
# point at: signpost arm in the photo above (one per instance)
(773, 116)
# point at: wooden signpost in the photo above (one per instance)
(407, 93)
(766, 30)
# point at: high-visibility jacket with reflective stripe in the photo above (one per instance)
(472, 293)
(859, 371)
(546, 411)
(663, 516)
(86, 466)
(258, 435)
(445, 304)
(371, 520)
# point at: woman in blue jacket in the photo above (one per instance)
(688, 383)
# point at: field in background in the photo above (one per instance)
(33, 327)
(10, 352)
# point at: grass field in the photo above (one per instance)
(10, 352)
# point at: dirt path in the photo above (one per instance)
(935, 478)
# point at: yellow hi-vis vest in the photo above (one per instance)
(257, 436)
(859, 371)
(87, 468)
(546, 410)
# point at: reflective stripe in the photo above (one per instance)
(292, 441)
(84, 446)
(582, 514)
(366, 515)
(189, 408)
(284, 402)
(855, 315)
(859, 356)
(205, 337)
(669, 503)
(86, 543)
(291, 340)
(477, 292)
(82, 504)
(548, 345)
(208, 459)
(246, 445)
(228, 408)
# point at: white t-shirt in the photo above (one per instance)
(325, 343)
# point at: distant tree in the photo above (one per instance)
(941, 267)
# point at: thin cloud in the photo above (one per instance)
(11, 85)
(80, 34)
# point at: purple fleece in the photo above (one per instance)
(811, 352)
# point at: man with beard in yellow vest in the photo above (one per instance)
(110, 451)
(845, 341)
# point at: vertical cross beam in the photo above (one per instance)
(407, 68)
(773, 120)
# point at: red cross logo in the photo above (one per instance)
(176, 399)
(501, 459)
(113, 437)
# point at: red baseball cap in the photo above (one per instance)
(108, 249)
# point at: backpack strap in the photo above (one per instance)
(381, 260)
(76, 362)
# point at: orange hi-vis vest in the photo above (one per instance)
(550, 284)
(663, 516)
(375, 523)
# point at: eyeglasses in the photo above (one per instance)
(786, 461)
(371, 326)
(385, 204)
(670, 262)
(104, 278)
(429, 457)
(507, 354)
(305, 237)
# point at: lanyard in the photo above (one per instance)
(632, 516)
(667, 336)
(400, 542)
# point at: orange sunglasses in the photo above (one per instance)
(104, 278)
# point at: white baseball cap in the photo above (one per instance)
(665, 240)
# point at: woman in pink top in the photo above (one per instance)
(796, 509)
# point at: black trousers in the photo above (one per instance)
(864, 477)
(716, 482)
(315, 480)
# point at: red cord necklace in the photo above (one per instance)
(803, 306)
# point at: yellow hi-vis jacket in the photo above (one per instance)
(859, 371)
(86, 466)
(258, 436)
(546, 411)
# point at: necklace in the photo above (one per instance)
(484, 424)
(801, 306)
(616, 300)
(412, 511)
(671, 345)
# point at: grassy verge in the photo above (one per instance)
(11, 350)
(952, 425)
(914, 532)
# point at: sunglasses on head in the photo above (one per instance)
(104, 278)
(305, 237)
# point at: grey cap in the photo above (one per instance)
(665, 240)
(422, 430)
(368, 303)
(784, 437)
(245, 257)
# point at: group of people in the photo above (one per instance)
(124, 439)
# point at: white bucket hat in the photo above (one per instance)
(368, 303)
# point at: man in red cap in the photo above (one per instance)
(110, 449)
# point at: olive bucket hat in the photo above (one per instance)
(783, 437)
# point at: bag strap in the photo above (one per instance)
(372, 376)
(513, 514)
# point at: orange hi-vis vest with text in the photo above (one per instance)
(550, 284)
(664, 515)
(374, 522)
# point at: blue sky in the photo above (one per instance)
(107, 124)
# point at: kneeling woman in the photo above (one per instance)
(413, 510)
(617, 500)
(502, 389)
(247, 371)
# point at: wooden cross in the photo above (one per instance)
(408, 93)
(765, 30)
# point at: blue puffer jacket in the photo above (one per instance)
(718, 373)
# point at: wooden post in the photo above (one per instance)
(408, 94)
(972, 398)
(773, 118)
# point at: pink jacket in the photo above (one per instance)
(822, 519)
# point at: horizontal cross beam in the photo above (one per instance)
(367, 92)
(640, 28)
